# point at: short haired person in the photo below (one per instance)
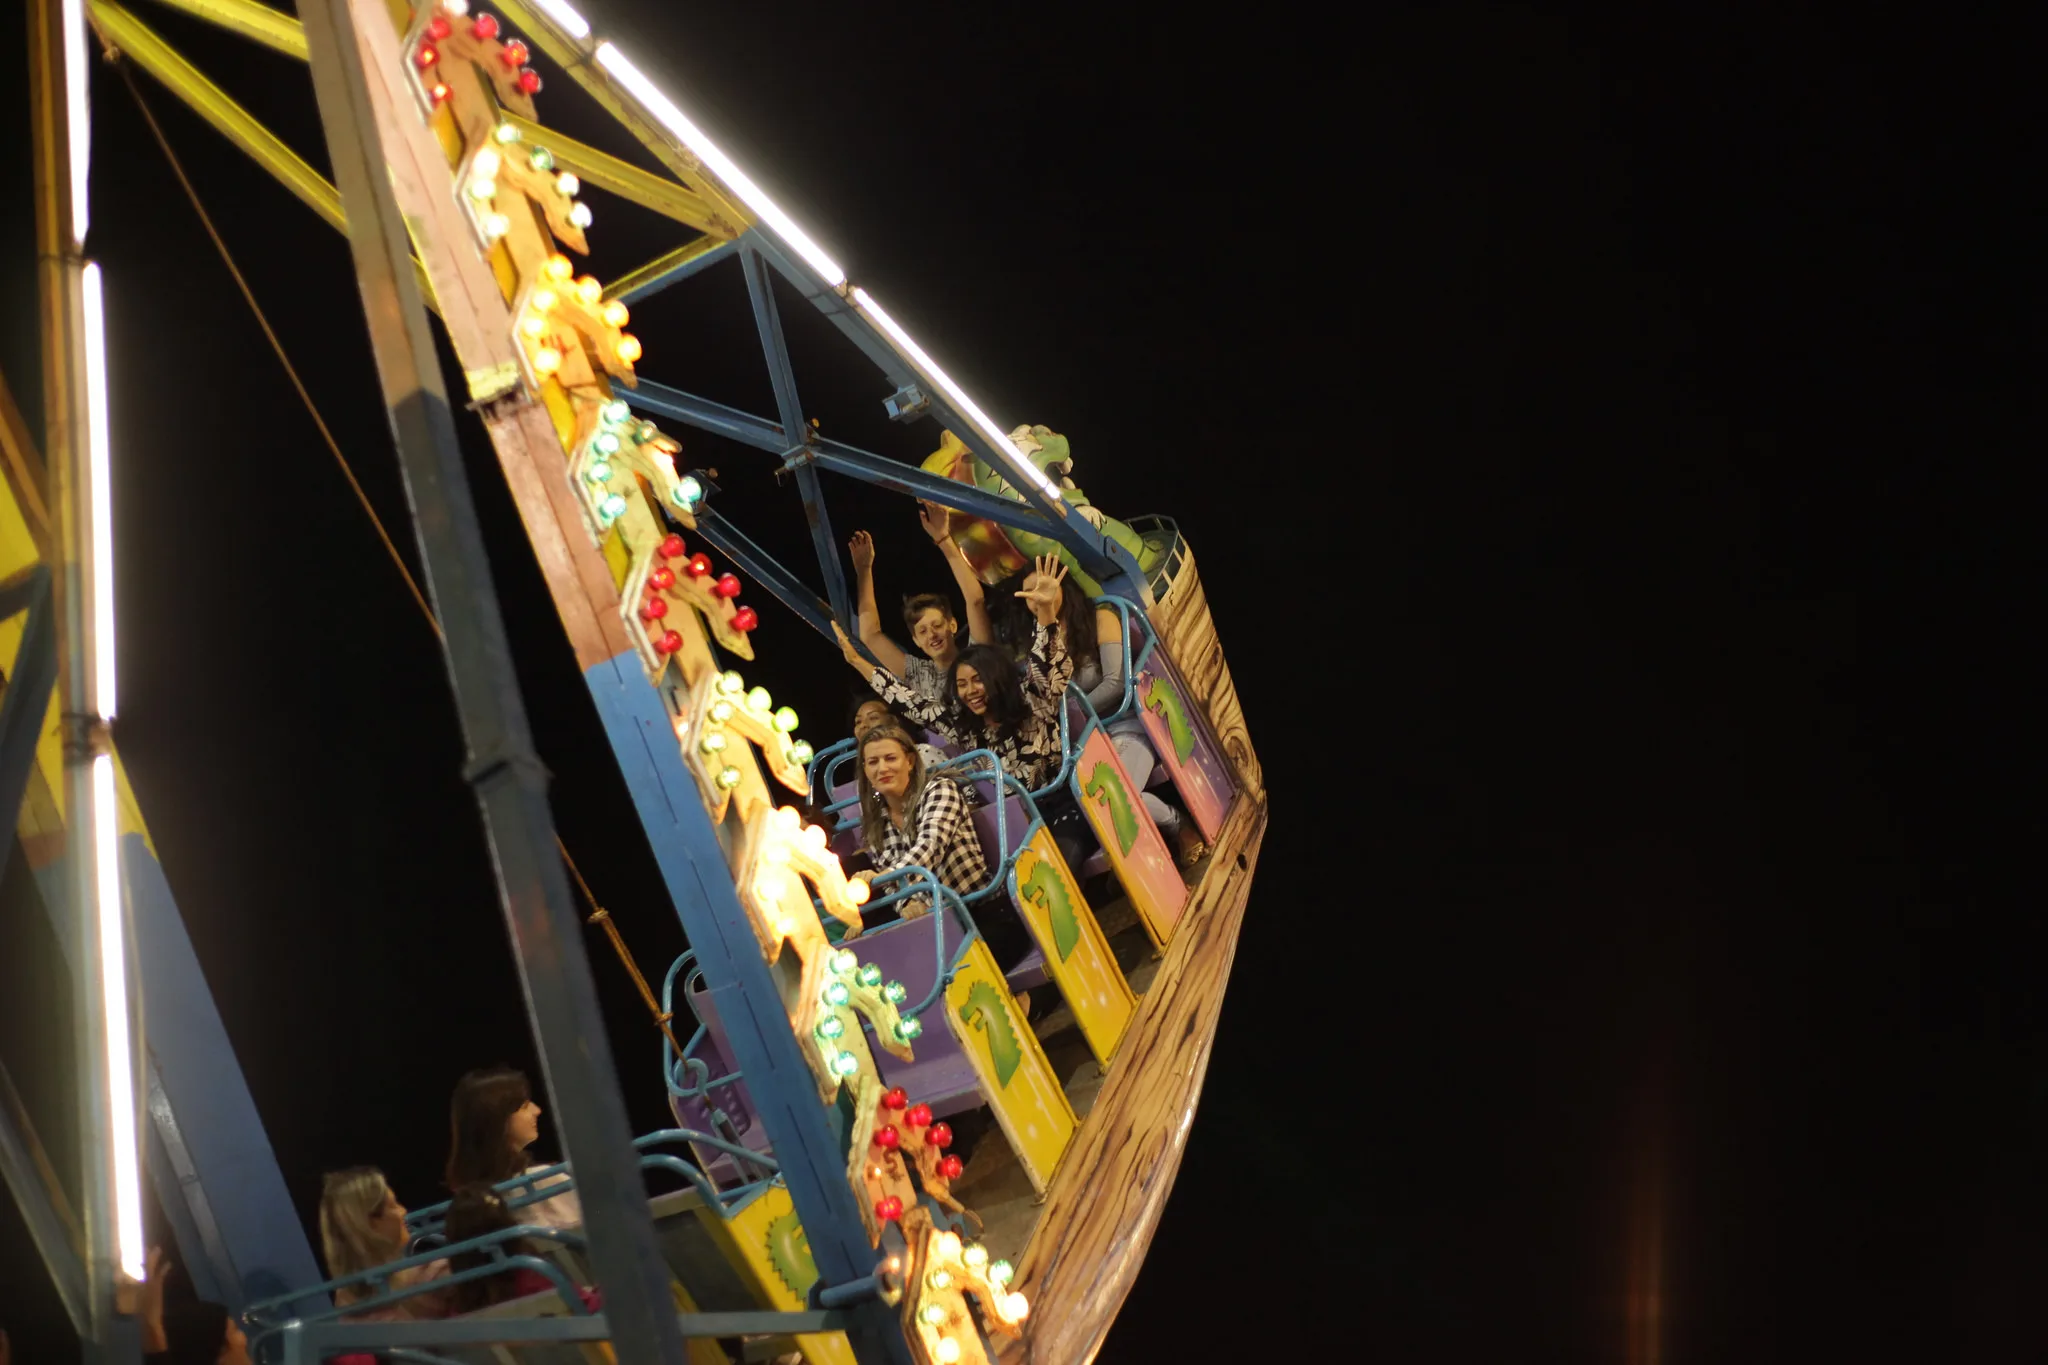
(928, 616)
(190, 1332)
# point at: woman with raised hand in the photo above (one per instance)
(492, 1120)
(991, 706)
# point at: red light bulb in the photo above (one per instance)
(668, 644)
(529, 81)
(896, 1099)
(439, 94)
(726, 586)
(665, 578)
(951, 1167)
(438, 27)
(919, 1115)
(699, 565)
(672, 548)
(941, 1135)
(887, 1137)
(426, 56)
(656, 608)
(485, 27)
(889, 1209)
(745, 619)
(513, 53)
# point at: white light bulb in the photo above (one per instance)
(579, 215)
(486, 163)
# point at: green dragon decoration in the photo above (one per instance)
(996, 551)
(1158, 697)
(1046, 887)
(1104, 785)
(1003, 1048)
(789, 1251)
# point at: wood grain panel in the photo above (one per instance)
(1182, 619)
(1106, 1200)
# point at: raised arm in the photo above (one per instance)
(862, 548)
(1049, 668)
(937, 525)
(1108, 694)
(891, 689)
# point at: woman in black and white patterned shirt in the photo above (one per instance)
(1018, 718)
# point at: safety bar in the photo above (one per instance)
(309, 1341)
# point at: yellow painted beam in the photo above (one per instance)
(24, 474)
(662, 265)
(540, 32)
(624, 179)
(259, 23)
(140, 44)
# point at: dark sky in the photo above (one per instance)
(1602, 446)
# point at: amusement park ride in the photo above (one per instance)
(814, 1201)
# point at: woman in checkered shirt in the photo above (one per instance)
(912, 819)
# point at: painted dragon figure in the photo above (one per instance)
(997, 551)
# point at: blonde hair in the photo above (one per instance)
(348, 1201)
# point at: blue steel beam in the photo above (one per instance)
(768, 322)
(1108, 562)
(779, 1080)
(756, 563)
(51, 1225)
(501, 767)
(837, 456)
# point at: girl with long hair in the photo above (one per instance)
(362, 1226)
(492, 1120)
(477, 1211)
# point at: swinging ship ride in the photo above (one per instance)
(814, 1200)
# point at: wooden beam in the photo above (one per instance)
(1104, 1205)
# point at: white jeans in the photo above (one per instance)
(1139, 761)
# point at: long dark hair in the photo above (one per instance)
(874, 812)
(1014, 622)
(476, 1211)
(999, 685)
(479, 1151)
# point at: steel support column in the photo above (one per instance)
(768, 322)
(510, 783)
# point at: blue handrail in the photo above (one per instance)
(258, 1314)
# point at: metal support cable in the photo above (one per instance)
(599, 915)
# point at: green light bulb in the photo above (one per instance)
(732, 684)
(836, 994)
(785, 720)
(712, 744)
(975, 1255)
(646, 432)
(616, 412)
(844, 962)
(1000, 1271)
(830, 1027)
(606, 443)
(729, 778)
(759, 699)
(614, 506)
(800, 752)
(598, 472)
(542, 159)
(941, 1279)
(871, 975)
(846, 1064)
(507, 133)
(721, 711)
(894, 993)
(908, 1029)
(689, 492)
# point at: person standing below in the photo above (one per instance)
(929, 616)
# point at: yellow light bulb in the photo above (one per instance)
(547, 360)
(857, 892)
(949, 1244)
(534, 327)
(486, 163)
(815, 838)
(949, 1351)
(559, 267)
(543, 299)
(790, 818)
(629, 348)
(775, 851)
(589, 290)
(1016, 1307)
(615, 314)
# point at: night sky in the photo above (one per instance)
(1601, 446)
